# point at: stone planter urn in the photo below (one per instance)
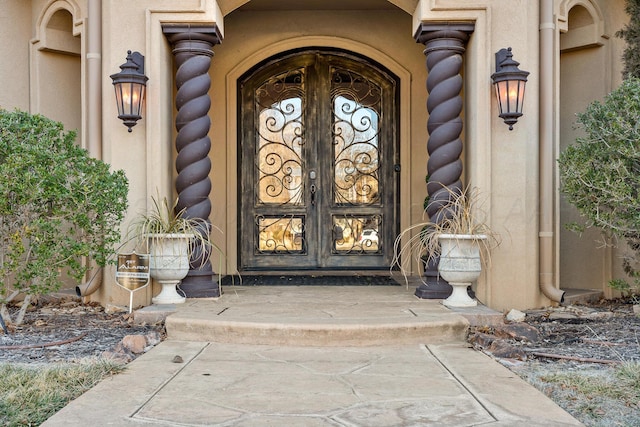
(460, 265)
(169, 264)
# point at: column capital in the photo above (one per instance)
(429, 31)
(192, 39)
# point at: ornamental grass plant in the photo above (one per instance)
(461, 214)
(150, 229)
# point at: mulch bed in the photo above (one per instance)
(604, 332)
(62, 329)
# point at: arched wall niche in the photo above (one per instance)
(56, 64)
(57, 30)
(581, 24)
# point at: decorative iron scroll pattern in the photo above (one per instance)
(280, 235)
(280, 105)
(356, 105)
(356, 234)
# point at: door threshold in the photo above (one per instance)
(309, 280)
(318, 273)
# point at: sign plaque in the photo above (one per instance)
(133, 271)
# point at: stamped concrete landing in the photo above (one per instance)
(350, 357)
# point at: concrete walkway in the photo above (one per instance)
(321, 356)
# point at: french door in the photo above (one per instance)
(318, 164)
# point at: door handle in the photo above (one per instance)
(313, 190)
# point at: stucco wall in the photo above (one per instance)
(15, 25)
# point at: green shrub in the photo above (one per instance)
(600, 173)
(58, 206)
(631, 34)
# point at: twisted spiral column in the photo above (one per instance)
(193, 50)
(444, 49)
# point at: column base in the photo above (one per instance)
(200, 285)
(433, 289)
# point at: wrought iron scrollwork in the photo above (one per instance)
(280, 139)
(357, 234)
(280, 235)
(356, 106)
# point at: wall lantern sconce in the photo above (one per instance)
(130, 84)
(509, 82)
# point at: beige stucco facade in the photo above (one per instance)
(56, 67)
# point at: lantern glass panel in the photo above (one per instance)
(521, 85)
(128, 98)
(501, 94)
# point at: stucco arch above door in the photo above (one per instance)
(317, 41)
(409, 6)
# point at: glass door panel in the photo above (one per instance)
(355, 138)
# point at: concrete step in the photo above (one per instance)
(319, 316)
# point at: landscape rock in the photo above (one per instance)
(113, 309)
(599, 315)
(518, 331)
(562, 315)
(503, 350)
(481, 339)
(515, 316)
(119, 354)
(502, 341)
(153, 338)
(136, 344)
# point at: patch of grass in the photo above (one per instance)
(600, 397)
(29, 395)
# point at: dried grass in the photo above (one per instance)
(30, 394)
(462, 214)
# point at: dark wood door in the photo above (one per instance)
(318, 164)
